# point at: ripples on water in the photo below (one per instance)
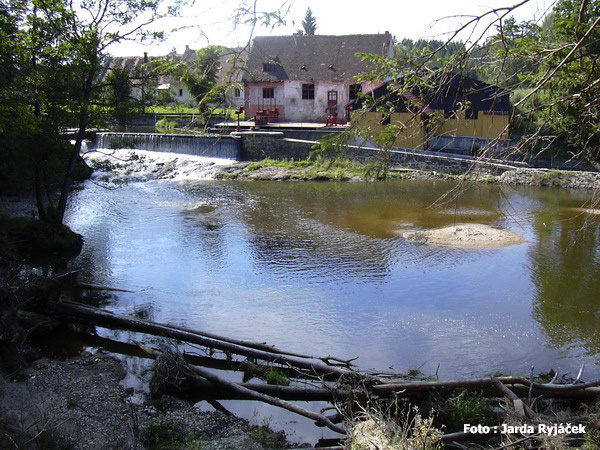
(320, 268)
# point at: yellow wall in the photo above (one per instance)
(486, 126)
(410, 134)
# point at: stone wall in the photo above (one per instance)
(471, 146)
(261, 145)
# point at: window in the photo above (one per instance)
(268, 92)
(237, 92)
(181, 92)
(354, 90)
(308, 92)
(267, 67)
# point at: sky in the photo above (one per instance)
(212, 22)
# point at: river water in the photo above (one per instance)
(319, 268)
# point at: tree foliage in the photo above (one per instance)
(309, 23)
(557, 62)
(52, 52)
(199, 76)
(551, 65)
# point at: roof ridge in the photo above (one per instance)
(321, 35)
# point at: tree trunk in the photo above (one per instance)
(39, 196)
(84, 119)
(107, 319)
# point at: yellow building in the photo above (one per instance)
(461, 115)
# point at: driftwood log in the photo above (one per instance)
(96, 316)
(255, 395)
(519, 385)
(216, 387)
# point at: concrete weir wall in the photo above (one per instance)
(260, 145)
(209, 145)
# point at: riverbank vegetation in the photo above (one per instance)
(549, 65)
(339, 169)
(319, 169)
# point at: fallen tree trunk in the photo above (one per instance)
(519, 405)
(204, 389)
(254, 395)
(108, 319)
(519, 385)
(94, 287)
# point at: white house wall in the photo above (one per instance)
(314, 110)
(292, 107)
(185, 97)
(231, 101)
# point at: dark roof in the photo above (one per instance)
(231, 64)
(450, 90)
(132, 64)
(305, 58)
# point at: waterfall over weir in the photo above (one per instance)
(209, 145)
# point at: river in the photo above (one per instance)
(319, 268)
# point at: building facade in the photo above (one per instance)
(308, 78)
(461, 114)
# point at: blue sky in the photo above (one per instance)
(210, 22)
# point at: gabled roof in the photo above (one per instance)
(312, 58)
(231, 63)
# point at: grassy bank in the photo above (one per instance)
(308, 170)
(185, 109)
(323, 169)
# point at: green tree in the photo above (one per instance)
(309, 23)
(554, 64)
(198, 75)
(558, 62)
(119, 96)
(60, 48)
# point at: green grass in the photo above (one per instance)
(327, 169)
(165, 434)
(186, 109)
(286, 163)
(172, 109)
(265, 437)
(468, 407)
(277, 377)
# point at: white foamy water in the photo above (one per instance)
(123, 165)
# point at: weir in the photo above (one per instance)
(209, 145)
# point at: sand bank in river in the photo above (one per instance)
(465, 235)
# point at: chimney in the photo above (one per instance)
(145, 57)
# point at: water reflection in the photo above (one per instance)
(320, 268)
(565, 268)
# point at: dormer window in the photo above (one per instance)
(268, 67)
(303, 68)
(331, 68)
